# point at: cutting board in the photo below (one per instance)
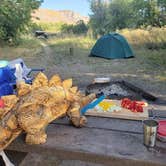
(123, 114)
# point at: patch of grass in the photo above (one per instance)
(81, 41)
(50, 27)
(151, 38)
(82, 46)
(29, 41)
(147, 69)
(29, 49)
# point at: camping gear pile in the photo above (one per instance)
(13, 71)
(22, 72)
(36, 105)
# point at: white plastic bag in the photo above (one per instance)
(19, 73)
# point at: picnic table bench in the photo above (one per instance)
(103, 141)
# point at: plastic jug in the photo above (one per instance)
(19, 73)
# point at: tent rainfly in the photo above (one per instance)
(112, 46)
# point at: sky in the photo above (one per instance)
(79, 6)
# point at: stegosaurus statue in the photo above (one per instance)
(36, 105)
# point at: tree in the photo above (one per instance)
(15, 16)
(150, 12)
(110, 15)
(65, 28)
(162, 7)
(98, 19)
(79, 28)
(119, 14)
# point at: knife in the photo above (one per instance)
(92, 105)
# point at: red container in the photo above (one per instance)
(2, 105)
(162, 131)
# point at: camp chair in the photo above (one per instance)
(26, 72)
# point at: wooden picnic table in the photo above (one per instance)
(104, 141)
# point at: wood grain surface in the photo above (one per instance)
(123, 114)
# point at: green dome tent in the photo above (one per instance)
(112, 46)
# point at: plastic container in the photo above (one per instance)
(161, 134)
(2, 105)
(102, 80)
(19, 73)
(3, 64)
(161, 138)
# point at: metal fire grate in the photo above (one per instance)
(119, 90)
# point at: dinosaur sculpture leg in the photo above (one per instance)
(36, 132)
(39, 120)
(74, 114)
(36, 138)
(33, 123)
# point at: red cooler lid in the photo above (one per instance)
(162, 128)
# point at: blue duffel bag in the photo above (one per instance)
(7, 79)
(6, 89)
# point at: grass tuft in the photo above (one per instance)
(152, 38)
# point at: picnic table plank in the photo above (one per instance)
(103, 123)
(96, 145)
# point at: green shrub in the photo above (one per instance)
(49, 27)
(15, 16)
(79, 28)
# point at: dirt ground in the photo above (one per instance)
(83, 69)
(147, 70)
